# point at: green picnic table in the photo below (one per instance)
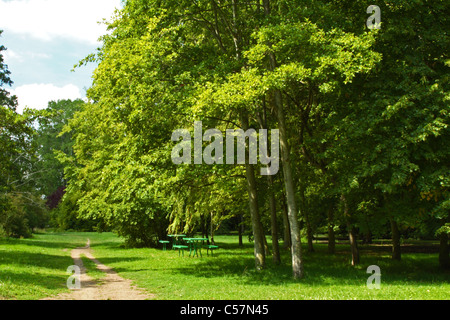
(176, 239)
(177, 244)
(164, 243)
(195, 245)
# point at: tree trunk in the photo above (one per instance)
(273, 222)
(353, 244)
(309, 232)
(260, 258)
(296, 249)
(204, 227)
(331, 236)
(396, 253)
(266, 245)
(271, 195)
(351, 234)
(287, 233)
(368, 234)
(444, 259)
(241, 229)
(212, 229)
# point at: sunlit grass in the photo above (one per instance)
(36, 268)
(230, 274)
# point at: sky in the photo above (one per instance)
(44, 40)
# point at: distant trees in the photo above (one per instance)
(53, 145)
(31, 178)
(20, 209)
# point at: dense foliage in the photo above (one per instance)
(363, 117)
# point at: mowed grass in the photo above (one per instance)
(231, 274)
(36, 268)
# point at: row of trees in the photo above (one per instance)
(362, 115)
(32, 180)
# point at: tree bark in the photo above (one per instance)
(241, 229)
(351, 233)
(212, 229)
(296, 248)
(266, 245)
(353, 244)
(396, 252)
(260, 257)
(309, 233)
(331, 236)
(271, 195)
(444, 259)
(273, 222)
(287, 233)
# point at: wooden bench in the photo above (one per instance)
(180, 248)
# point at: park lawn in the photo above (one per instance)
(230, 274)
(35, 268)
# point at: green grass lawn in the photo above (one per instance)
(35, 268)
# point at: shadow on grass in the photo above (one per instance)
(115, 263)
(28, 259)
(320, 268)
(44, 241)
(51, 282)
(32, 272)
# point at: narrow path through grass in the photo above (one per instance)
(36, 268)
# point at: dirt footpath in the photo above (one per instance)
(111, 287)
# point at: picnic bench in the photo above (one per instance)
(181, 243)
(211, 247)
(176, 239)
(164, 243)
(180, 248)
(195, 245)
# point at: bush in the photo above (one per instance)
(20, 214)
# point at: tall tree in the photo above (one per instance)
(397, 120)
(20, 208)
(49, 174)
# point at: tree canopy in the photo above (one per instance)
(362, 115)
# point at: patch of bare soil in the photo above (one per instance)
(111, 287)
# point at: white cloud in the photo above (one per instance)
(10, 55)
(37, 96)
(47, 19)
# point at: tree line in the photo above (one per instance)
(362, 116)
